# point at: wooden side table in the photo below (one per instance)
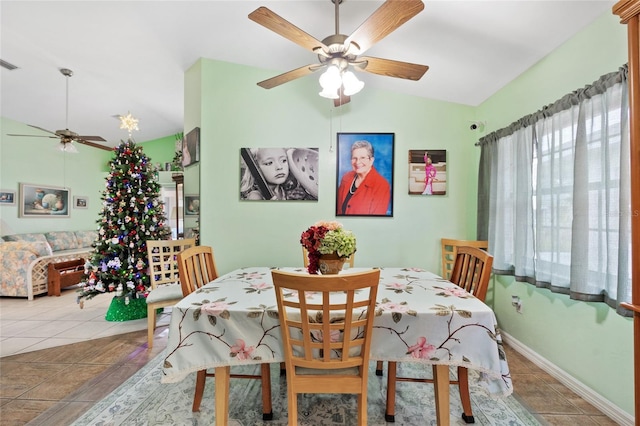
(64, 274)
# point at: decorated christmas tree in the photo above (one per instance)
(131, 214)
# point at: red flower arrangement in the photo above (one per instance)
(325, 238)
(311, 240)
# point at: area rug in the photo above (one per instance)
(143, 400)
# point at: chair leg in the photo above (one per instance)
(379, 367)
(390, 413)
(463, 387)
(265, 374)
(362, 409)
(201, 378)
(151, 326)
(293, 408)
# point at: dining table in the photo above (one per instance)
(420, 318)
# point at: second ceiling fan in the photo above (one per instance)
(66, 136)
(339, 53)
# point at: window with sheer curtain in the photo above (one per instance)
(554, 195)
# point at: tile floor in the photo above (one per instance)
(46, 322)
(51, 373)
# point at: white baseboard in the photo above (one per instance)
(607, 407)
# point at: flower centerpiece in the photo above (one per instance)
(326, 238)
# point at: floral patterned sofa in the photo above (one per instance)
(24, 258)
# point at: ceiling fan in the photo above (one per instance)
(343, 51)
(66, 136)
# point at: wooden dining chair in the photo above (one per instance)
(165, 288)
(338, 364)
(471, 271)
(305, 258)
(197, 267)
(449, 249)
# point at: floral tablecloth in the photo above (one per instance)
(420, 317)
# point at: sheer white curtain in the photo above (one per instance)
(554, 195)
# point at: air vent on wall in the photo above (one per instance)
(7, 65)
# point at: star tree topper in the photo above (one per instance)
(128, 122)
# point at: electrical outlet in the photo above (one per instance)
(517, 303)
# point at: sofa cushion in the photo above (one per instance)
(43, 247)
(38, 248)
(86, 238)
(62, 240)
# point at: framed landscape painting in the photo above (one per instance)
(43, 201)
(365, 174)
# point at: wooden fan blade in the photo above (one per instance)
(343, 99)
(40, 128)
(95, 145)
(34, 136)
(386, 19)
(286, 29)
(93, 138)
(286, 77)
(391, 68)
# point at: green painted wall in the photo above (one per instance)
(160, 151)
(587, 340)
(36, 161)
(235, 113)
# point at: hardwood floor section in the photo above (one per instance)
(55, 386)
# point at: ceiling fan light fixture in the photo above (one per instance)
(67, 147)
(329, 93)
(330, 79)
(351, 83)
(330, 82)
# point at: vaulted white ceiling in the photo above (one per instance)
(131, 55)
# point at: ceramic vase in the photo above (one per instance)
(330, 263)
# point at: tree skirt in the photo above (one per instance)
(120, 310)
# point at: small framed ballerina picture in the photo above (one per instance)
(427, 172)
